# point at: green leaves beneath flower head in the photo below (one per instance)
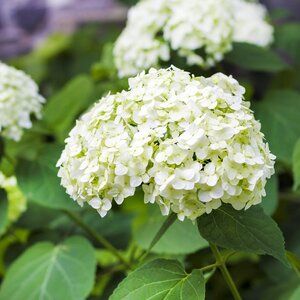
(39, 182)
(180, 238)
(248, 230)
(161, 279)
(46, 271)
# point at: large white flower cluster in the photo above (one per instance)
(19, 99)
(201, 31)
(190, 142)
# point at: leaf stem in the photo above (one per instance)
(99, 238)
(222, 266)
(209, 267)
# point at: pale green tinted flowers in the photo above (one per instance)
(190, 142)
(16, 200)
(200, 31)
(250, 23)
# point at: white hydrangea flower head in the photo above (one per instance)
(199, 31)
(251, 25)
(19, 99)
(16, 200)
(155, 28)
(192, 143)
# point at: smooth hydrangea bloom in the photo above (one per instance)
(19, 99)
(190, 142)
(250, 23)
(155, 28)
(199, 31)
(16, 200)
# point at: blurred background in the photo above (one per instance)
(26, 23)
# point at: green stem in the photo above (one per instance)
(209, 267)
(99, 238)
(225, 272)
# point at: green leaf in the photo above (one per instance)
(180, 238)
(270, 202)
(279, 114)
(287, 38)
(296, 294)
(161, 279)
(3, 211)
(248, 230)
(45, 271)
(294, 261)
(164, 227)
(39, 182)
(296, 165)
(1, 148)
(65, 106)
(255, 58)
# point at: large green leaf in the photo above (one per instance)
(247, 230)
(270, 202)
(296, 165)
(39, 182)
(47, 271)
(161, 279)
(180, 238)
(64, 107)
(3, 211)
(279, 114)
(255, 58)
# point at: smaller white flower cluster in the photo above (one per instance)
(19, 99)
(199, 31)
(191, 143)
(250, 23)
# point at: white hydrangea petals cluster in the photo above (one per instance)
(19, 99)
(156, 27)
(138, 47)
(251, 24)
(201, 31)
(190, 142)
